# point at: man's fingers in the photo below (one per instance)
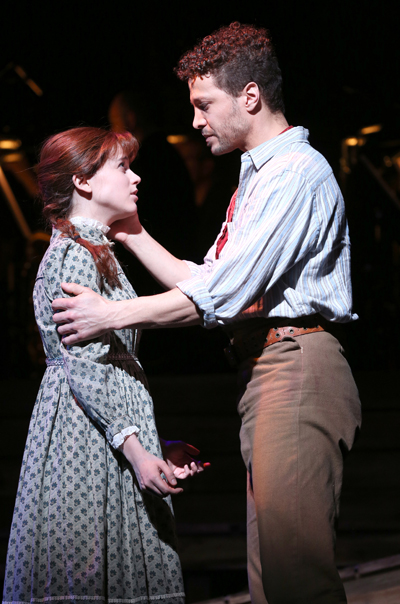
(74, 288)
(65, 320)
(71, 339)
(61, 304)
(69, 288)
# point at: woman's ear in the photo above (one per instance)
(81, 184)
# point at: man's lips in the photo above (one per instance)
(207, 138)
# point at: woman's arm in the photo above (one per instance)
(148, 469)
(94, 382)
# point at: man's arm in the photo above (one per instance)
(88, 315)
(163, 266)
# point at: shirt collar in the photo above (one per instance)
(264, 152)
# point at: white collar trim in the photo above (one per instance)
(89, 222)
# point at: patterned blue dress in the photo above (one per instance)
(82, 530)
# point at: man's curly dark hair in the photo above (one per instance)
(236, 55)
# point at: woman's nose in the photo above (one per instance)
(135, 178)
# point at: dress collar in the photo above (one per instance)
(80, 221)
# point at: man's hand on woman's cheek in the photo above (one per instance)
(83, 317)
(121, 229)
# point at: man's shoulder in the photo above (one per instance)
(299, 157)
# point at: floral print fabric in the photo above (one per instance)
(82, 530)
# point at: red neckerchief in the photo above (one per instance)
(231, 208)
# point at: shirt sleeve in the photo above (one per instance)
(93, 380)
(275, 226)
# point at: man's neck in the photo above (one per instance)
(264, 126)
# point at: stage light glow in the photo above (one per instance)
(9, 143)
(175, 139)
(11, 157)
(355, 142)
(371, 129)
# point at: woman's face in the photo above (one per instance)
(114, 190)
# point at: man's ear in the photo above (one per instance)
(252, 97)
(81, 184)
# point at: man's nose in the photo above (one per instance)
(198, 120)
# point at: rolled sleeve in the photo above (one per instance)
(195, 289)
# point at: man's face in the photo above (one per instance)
(218, 115)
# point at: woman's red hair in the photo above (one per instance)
(81, 152)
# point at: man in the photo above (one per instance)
(278, 280)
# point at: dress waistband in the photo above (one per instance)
(54, 362)
(123, 356)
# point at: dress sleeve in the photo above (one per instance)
(94, 382)
(274, 230)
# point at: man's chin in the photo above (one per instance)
(218, 150)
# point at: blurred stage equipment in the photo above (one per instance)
(352, 154)
(21, 248)
(15, 160)
(23, 75)
(370, 179)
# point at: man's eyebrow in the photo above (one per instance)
(198, 100)
(122, 158)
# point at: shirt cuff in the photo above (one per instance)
(195, 289)
(119, 429)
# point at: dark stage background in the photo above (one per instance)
(340, 65)
(340, 68)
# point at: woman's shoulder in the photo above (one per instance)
(64, 253)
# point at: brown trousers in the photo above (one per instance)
(300, 412)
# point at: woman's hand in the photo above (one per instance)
(178, 456)
(148, 469)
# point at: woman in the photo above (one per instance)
(85, 525)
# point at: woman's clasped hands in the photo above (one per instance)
(159, 476)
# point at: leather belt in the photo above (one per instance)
(252, 343)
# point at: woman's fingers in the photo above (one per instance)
(153, 481)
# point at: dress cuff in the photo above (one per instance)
(118, 430)
(121, 437)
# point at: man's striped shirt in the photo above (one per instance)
(288, 249)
